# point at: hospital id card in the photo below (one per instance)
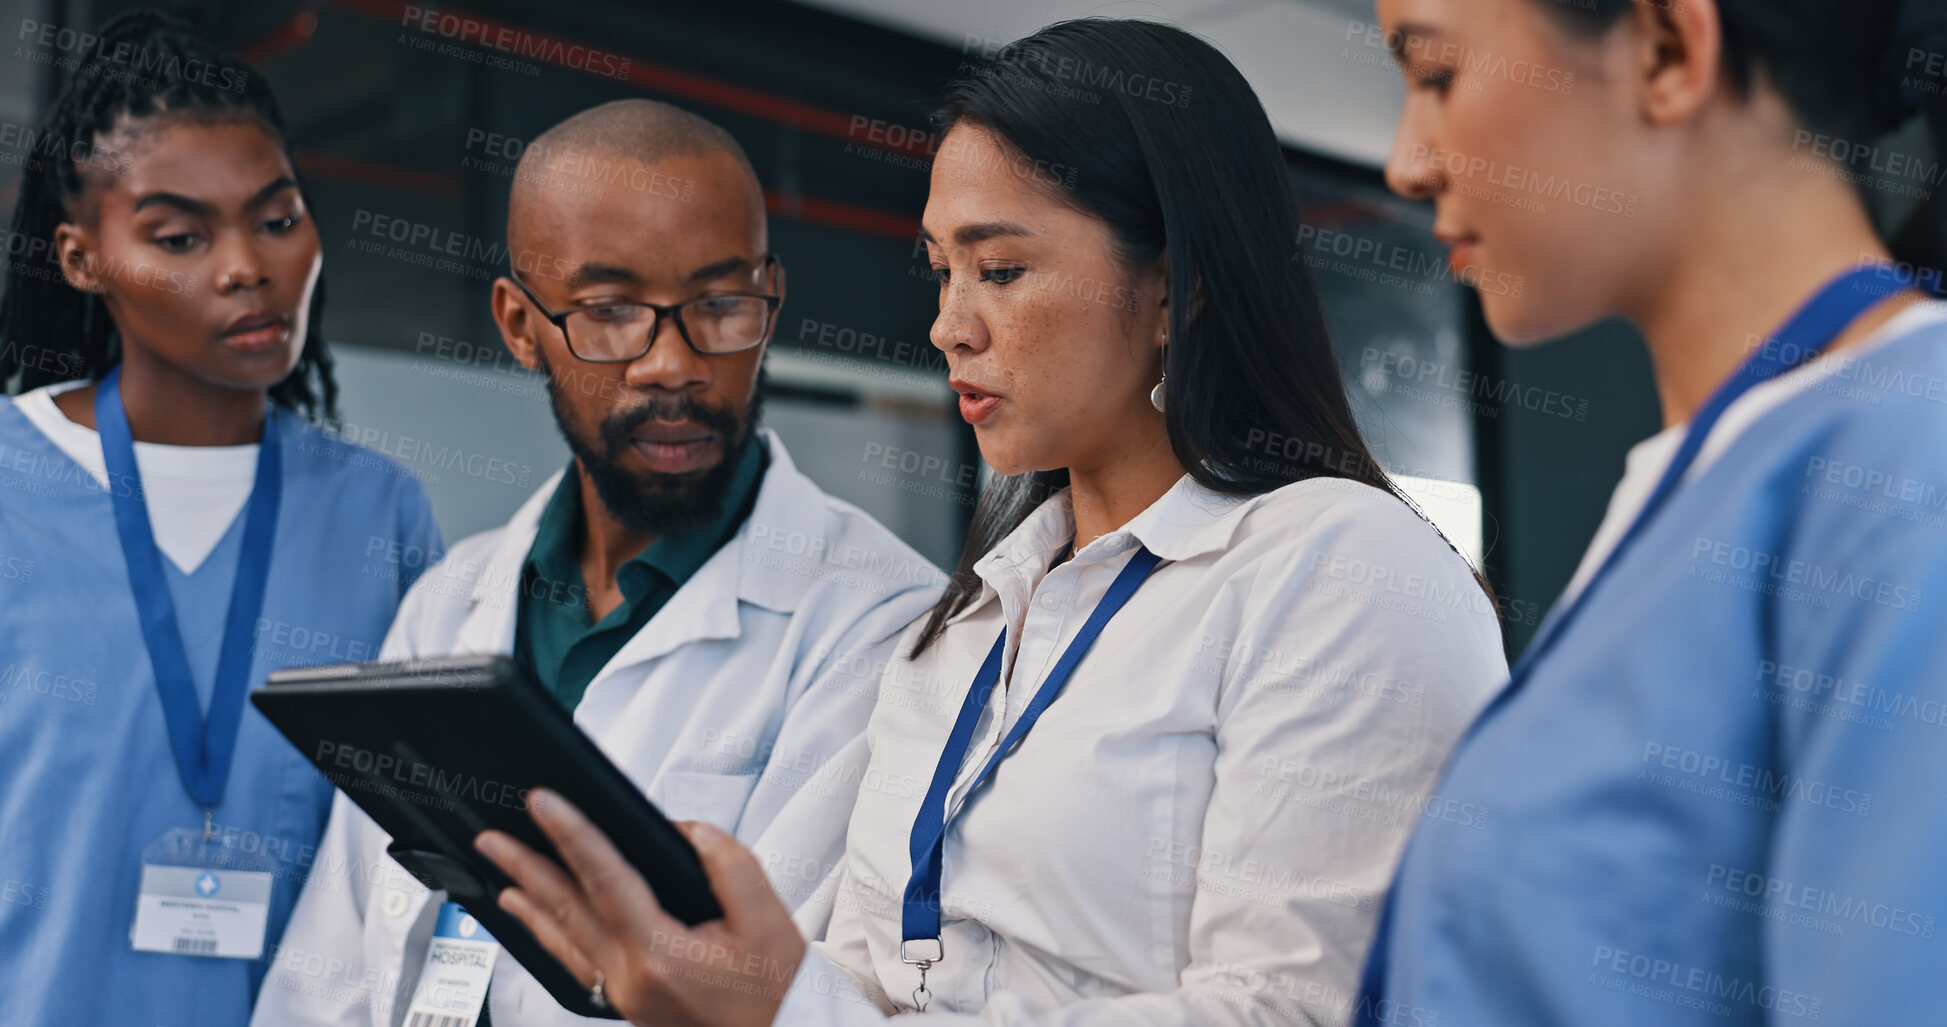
(199, 898)
(452, 985)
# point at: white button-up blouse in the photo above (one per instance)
(1200, 829)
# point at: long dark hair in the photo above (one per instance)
(51, 332)
(1846, 70)
(1167, 145)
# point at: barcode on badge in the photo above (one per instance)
(436, 1020)
(196, 946)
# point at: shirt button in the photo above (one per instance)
(395, 903)
(1050, 601)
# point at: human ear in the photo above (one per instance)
(1679, 58)
(74, 247)
(516, 322)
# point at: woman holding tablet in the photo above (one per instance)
(1718, 783)
(1152, 757)
(172, 529)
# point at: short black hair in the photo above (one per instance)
(637, 129)
(647, 130)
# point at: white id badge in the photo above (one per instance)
(453, 984)
(201, 898)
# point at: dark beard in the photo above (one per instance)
(652, 503)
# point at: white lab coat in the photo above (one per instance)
(741, 703)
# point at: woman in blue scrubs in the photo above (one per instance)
(173, 527)
(1717, 784)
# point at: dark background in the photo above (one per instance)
(391, 120)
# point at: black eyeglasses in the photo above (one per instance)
(713, 325)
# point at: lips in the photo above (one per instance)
(671, 432)
(976, 404)
(1461, 249)
(258, 331)
(673, 447)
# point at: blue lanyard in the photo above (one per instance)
(1804, 336)
(921, 919)
(203, 746)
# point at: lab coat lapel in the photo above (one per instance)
(493, 597)
(706, 607)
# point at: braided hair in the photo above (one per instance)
(51, 332)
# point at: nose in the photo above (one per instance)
(1409, 171)
(956, 327)
(670, 363)
(242, 267)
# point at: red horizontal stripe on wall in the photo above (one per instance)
(833, 214)
(388, 176)
(688, 85)
(293, 33)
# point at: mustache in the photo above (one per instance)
(720, 421)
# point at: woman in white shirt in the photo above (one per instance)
(1199, 829)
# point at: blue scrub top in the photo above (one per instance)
(1722, 796)
(87, 777)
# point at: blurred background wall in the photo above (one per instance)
(407, 130)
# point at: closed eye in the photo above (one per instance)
(619, 313)
(1437, 81)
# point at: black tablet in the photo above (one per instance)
(437, 751)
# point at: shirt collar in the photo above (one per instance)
(1189, 520)
(1186, 522)
(557, 537)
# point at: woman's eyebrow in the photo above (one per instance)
(265, 194)
(1397, 39)
(177, 200)
(200, 208)
(967, 235)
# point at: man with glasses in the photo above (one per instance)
(712, 619)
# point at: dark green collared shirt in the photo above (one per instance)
(553, 638)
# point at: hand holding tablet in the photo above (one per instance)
(439, 751)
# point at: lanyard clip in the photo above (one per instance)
(915, 952)
(208, 816)
(910, 951)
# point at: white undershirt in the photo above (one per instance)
(194, 492)
(1648, 459)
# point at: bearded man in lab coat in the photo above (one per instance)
(714, 621)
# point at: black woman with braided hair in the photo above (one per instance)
(176, 521)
